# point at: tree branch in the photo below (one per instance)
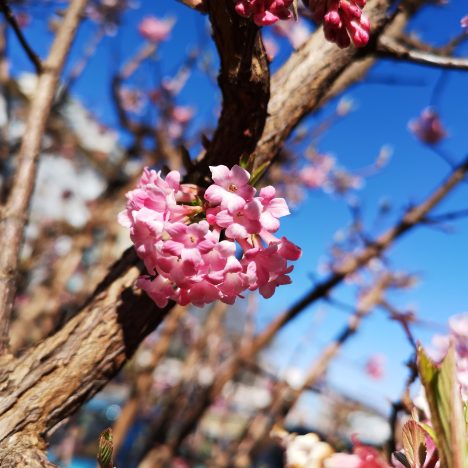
(14, 215)
(10, 17)
(244, 80)
(389, 47)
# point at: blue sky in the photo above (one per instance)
(381, 117)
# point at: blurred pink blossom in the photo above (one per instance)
(464, 22)
(182, 114)
(296, 32)
(316, 174)
(154, 29)
(131, 100)
(428, 127)
(375, 366)
(23, 19)
(271, 47)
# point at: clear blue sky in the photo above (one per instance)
(381, 117)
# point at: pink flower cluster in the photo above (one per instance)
(264, 12)
(342, 20)
(188, 239)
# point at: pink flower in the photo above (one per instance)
(23, 19)
(182, 114)
(273, 208)
(315, 176)
(264, 12)
(271, 47)
(375, 366)
(231, 189)
(154, 29)
(428, 127)
(343, 21)
(464, 22)
(182, 252)
(459, 325)
(342, 460)
(131, 100)
(242, 222)
(295, 32)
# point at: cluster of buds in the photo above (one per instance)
(264, 12)
(200, 246)
(343, 21)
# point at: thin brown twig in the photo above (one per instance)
(10, 17)
(286, 397)
(14, 215)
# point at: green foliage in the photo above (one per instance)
(105, 449)
(447, 413)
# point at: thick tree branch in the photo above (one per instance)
(54, 378)
(390, 48)
(245, 84)
(14, 215)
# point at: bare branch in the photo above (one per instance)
(14, 216)
(10, 17)
(389, 47)
(286, 397)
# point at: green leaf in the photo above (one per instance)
(105, 449)
(444, 399)
(414, 443)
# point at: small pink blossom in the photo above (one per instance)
(231, 187)
(264, 12)
(182, 114)
(375, 366)
(428, 127)
(464, 22)
(315, 175)
(343, 460)
(271, 47)
(23, 19)
(295, 32)
(154, 29)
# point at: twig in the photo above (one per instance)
(14, 216)
(10, 17)
(450, 216)
(354, 262)
(388, 47)
(261, 424)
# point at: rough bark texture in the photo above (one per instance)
(245, 85)
(54, 378)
